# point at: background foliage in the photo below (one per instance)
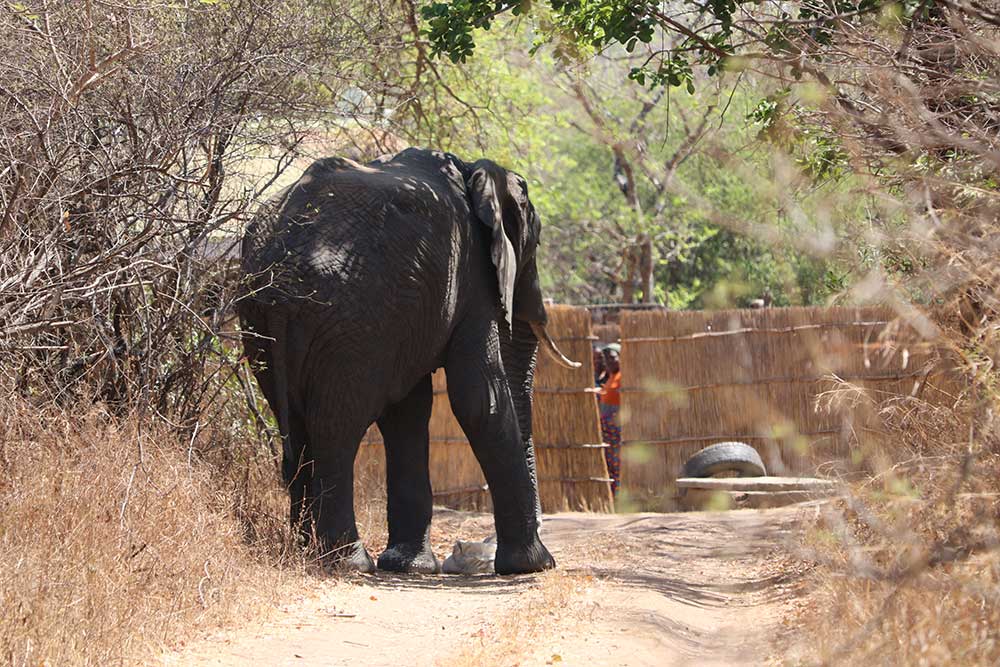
(568, 125)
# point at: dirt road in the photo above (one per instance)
(639, 589)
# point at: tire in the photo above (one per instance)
(725, 457)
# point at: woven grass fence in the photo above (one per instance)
(607, 333)
(571, 469)
(694, 378)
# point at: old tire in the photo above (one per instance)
(725, 457)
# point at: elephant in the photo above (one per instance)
(360, 281)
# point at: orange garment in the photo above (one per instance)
(610, 390)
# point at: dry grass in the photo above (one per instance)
(910, 564)
(370, 500)
(114, 543)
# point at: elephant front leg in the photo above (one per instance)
(481, 401)
(408, 484)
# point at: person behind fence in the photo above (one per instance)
(600, 372)
(610, 403)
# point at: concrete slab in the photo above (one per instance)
(756, 483)
(721, 493)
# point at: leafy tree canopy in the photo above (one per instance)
(676, 36)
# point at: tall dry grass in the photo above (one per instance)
(117, 540)
(909, 563)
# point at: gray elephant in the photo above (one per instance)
(361, 281)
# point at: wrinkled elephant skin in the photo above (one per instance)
(361, 281)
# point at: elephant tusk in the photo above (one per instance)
(543, 337)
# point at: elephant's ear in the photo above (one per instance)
(486, 193)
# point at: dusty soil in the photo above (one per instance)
(639, 589)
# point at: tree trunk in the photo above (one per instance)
(646, 268)
(628, 285)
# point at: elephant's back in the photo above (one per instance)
(349, 235)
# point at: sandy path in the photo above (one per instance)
(641, 589)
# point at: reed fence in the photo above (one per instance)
(567, 435)
(607, 333)
(694, 378)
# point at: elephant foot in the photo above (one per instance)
(523, 558)
(352, 558)
(409, 558)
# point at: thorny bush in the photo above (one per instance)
(135, 141)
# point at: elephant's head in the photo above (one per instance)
(500, 201)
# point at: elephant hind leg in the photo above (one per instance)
(404, 429)
(334, 446)
(297, 472)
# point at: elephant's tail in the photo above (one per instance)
(277, 329)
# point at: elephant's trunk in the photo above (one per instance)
(519, 353)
